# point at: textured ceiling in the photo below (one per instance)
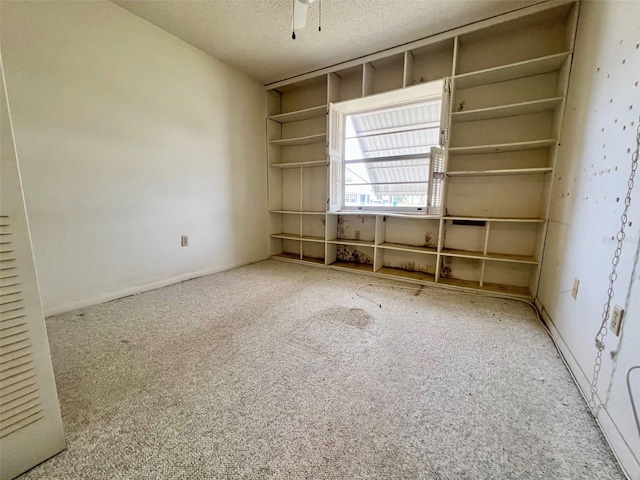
(254, 36)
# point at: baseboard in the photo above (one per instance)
(107, 297)
(622, 451)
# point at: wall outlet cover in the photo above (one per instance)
(616, 320)
(184, 240)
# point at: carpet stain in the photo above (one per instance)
(351, 317)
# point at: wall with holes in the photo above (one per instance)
(593, 168)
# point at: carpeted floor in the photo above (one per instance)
(277, 370)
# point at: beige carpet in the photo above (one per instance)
(277, 370)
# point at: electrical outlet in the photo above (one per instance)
(357, 234)
(574, 291)
(616, 320)
(184, 240)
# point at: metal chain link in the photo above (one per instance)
(614, 353)
(613, 276)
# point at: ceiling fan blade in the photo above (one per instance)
(299, 14)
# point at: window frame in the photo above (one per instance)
(399, 98)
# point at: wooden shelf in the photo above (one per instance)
(528, 68)
(422, 216)
(295, 212)
(362, 267)
(373, 213)
(298, 115)
(407, 274)
(355, 212)
(495, 219)
(288, 142)
(408, 248)
(520, 292)
(521, 96)
(317, 163)
(290, 236)
(503, 147)
(295, 257)
(500, 172)
(452, 252)
(524, 108)
(351, 241)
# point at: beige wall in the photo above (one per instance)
(127, 138)
(600, 127)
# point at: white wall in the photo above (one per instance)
(589, 188)
(128, 138)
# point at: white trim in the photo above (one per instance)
(621, 450)
(107, 297)
(410, 95)
(430, 92)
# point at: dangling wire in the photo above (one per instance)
(319, 15)
(633, 403)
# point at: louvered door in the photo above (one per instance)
(30, 423)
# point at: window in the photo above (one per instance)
(382, 151)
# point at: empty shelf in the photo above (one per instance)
(502, 147)
(407, 248)
(295, 257)
(287, 142)
(502, 257)
(407, 274)
(291, 236)
(489, 287)
(546, 105)
(362, 267)
(296, 212)
(298, 115)
(495, 219)
(317, 163)
(373, 213)
(512, 71)
(351, 241)
(499, 172)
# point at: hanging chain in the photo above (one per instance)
(614, 353)
(613, 276)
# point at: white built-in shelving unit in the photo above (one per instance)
(509, 78)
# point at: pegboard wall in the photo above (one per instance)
(609, 138)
